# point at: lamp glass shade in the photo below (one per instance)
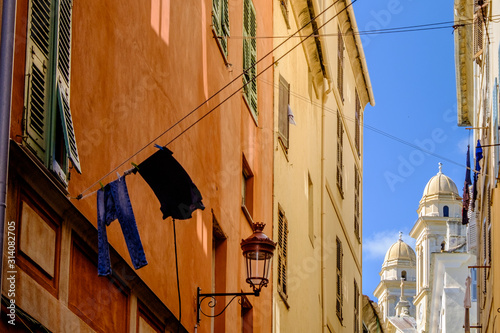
(258, 264)
(258, 251)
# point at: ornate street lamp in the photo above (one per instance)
(258, 251)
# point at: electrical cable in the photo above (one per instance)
(410, 28)
(80, 196)
(256, 76)
(177, 274)
(374, 129)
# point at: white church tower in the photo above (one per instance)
(441, 257)
(399, 264)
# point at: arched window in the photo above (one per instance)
(446, 211)
(403, 275)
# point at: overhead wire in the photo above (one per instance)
(374, 129)
(410, 28)
(258, 74)
(430, 26)
(80, 196)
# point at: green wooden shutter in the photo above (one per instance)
(63, 80)
(216, 10)
(224, 24)
(250, 55)
(37, 78)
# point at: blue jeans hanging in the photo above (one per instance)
(113, 203)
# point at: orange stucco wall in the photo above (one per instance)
(138, 67)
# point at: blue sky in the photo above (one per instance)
(413, 79)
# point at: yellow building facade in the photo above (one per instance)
(478, 76)
(320, 89)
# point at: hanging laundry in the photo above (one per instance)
(465, 197)
(173, 187)
(113, 202)
(291, 117)
(479, 157)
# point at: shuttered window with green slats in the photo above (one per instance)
(49, 130)
(220, 22)
(250, 56)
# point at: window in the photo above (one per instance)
(282, 253)
(284, 10)
(340, 153)
(220, 23)
(340, 65)
(247, 190)
(403, 275)
(49, 131)
(356, 307)
(479, 9)
(473, 288)
(284, 101)
(340, 256)
(357, 210)
(357, 130)
(250, 57)
(446, 211)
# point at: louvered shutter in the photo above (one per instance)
(478, 28)
(37, 93)
(282, 252)
(340, 151)
(224, 24)
(339, 279)
(340, 65)
(216, 10)
(357, 130)
(63, 80)
(284, 101)
(250, 54)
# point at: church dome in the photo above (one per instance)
(400, 251)
(440, 184)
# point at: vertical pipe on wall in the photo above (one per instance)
(6, 61)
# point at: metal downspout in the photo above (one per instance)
(6, 70)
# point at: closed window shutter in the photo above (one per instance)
(250, 55)
(282, 252)
(356, 203)
(357, 130)
(340, 152)
(339, 279)
(37, 77)
(284, 101)
(340, 65)
(63, 81)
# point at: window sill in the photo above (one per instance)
(283, 147)
(284, 298)
(247, 214)
(219, 45)
(254, 117)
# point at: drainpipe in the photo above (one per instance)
(324, 98)
(6, 61)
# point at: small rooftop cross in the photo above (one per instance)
(400, 235)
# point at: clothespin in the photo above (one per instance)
(118, 175)
(102, 186)
(135, 166)
(159, 147)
